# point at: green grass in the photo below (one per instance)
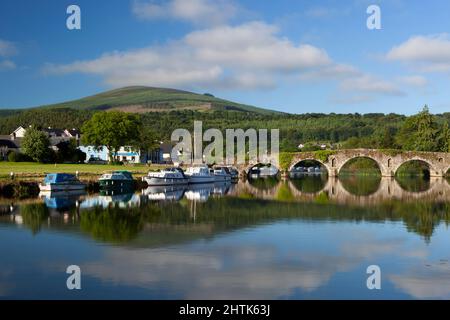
(153, 98)
(34, 170)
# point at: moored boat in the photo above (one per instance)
(221, 174)
(116, 180)
(234, 173)
(199, 174)
(263, 172)
(61, 182)
(166, 177)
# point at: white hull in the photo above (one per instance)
(156, 181)
(61, 187)
(201, 179)
(218, 178)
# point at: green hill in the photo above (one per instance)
(147, 99)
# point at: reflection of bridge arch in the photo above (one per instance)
(388, 189)
(260, 193)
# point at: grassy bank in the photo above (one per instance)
(32, 171)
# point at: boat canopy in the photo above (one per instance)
(59, 178)
(127, 174)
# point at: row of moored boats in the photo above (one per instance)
(124, 179)
(193, 175)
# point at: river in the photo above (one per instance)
(300, 238)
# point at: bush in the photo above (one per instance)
(14, 156)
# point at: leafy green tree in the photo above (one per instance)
(147, 139)
(419, 133)
(112, 130)
(35, 144)
(384, 138)
(445, 138)
(426, 138)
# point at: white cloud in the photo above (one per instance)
(7, 65)
(370, 84)
(425, 282)
(199, 12)
(247, 56)
(427, 53)
(414, 81)
(7, 48)
(332, 72)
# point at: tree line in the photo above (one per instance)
(419, 132)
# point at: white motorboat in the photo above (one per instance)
(221, 174)
(199, 174)
(166, 177)
(61, 182)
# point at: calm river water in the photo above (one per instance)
(303, 238)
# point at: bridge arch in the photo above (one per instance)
(433, 171)
(298, 160)
(252, 165)
(309, 159)
(384, 171)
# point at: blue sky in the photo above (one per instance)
(289, 55)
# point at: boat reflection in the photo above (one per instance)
(312, 188)
(164, 193)
(195, 192)
(61, 200)
(107, 198)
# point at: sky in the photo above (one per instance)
(297, 56)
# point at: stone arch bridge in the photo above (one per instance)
(388, 160)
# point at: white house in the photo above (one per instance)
(124, 154)
(55, 135)
(127, 154)
(18, 133)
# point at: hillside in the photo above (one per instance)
(147, 99)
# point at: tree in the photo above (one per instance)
(66, 150)
(384, 138)
(445, 138)
(426, 137)
(35, 144)
(112, 130)
(419, 133)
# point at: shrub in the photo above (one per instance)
(13, 156)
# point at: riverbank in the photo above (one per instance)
(28, 175)
(31, 171)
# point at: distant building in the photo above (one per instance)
(127, 154)
(124, 154)
(93, 153)
(7, 146)
(18, 133)
(55, 136)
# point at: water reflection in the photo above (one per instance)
(414, 183)
(293, 238)
(309, 183)
(361, 185)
